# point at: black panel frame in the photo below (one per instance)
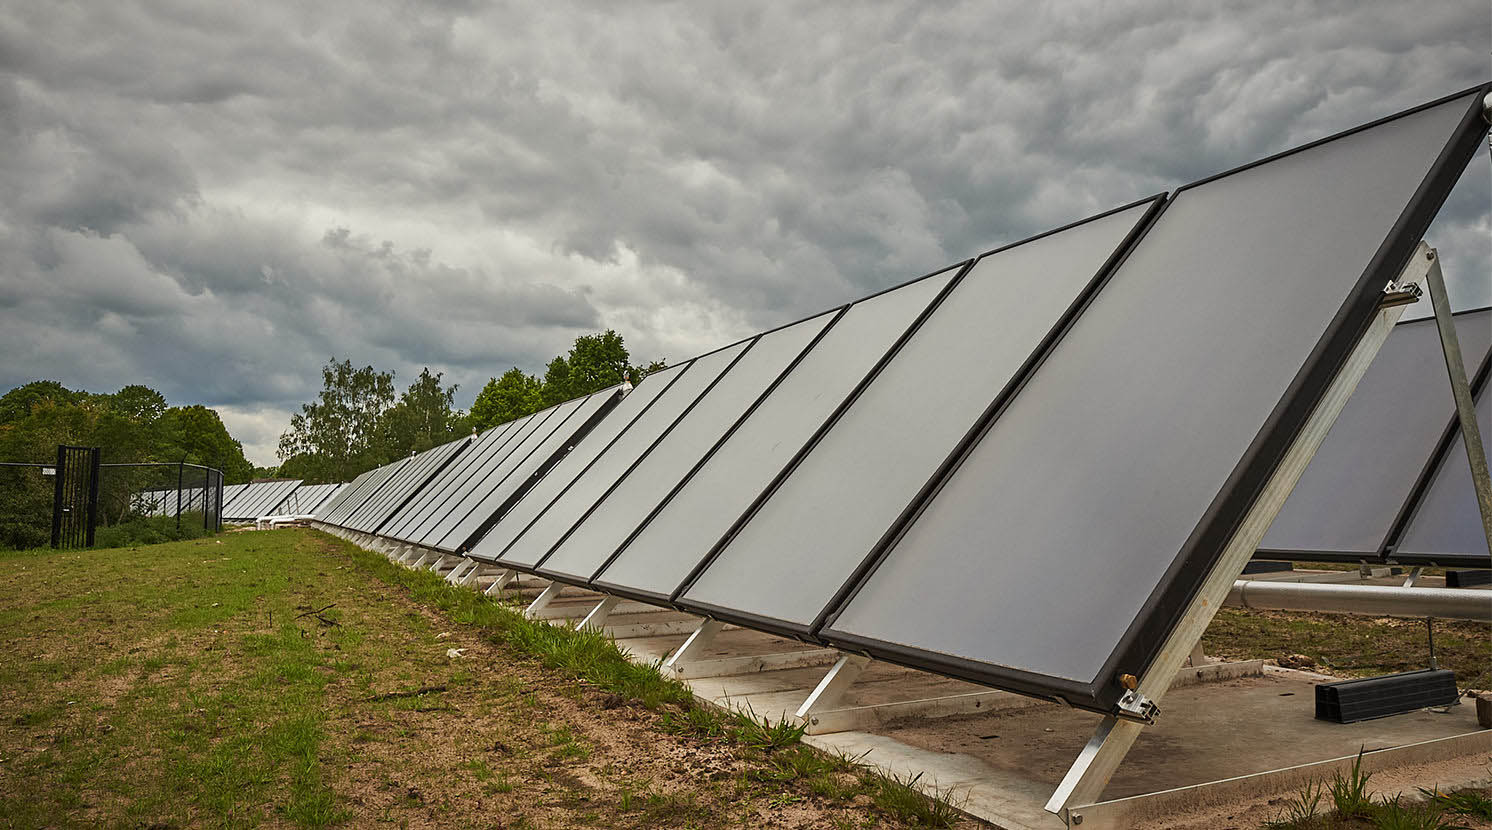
(1163, 609)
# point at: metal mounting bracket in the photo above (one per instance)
(1136, 707)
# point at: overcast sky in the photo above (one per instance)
(213, 199)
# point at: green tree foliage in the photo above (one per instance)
(503, 399)
(134, 424)
(557, 385)
(140, 404)
(196, 434)
(596, 361)
(337, 437)
(23, 400)
(423, 417)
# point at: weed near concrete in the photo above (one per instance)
(1353, 807)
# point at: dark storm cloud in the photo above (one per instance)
(216, 199)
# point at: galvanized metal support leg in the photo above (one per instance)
(461, 568)
(471, 575)
(420, 561)
(847, 669)
(1471, 434)
(503, 578)
(596, 619)
(541, 601)
(1105, 751)
(1413, 576)
(1197, 658)
(440, 562)
(698, 641)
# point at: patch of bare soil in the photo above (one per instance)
(506, 743)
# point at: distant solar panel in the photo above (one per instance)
(259, 499)
(403, 484)
(1062, 547)
(582, 551)
(435, 501)
(663, 551)
(516, 441)
(507, 481)
(377, 478)
(342, 495)
(1446, 527)
(780, 569)
(559, 478)
(307, 498)
(560, 515)
(1346, 501)
(231, 492)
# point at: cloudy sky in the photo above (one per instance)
(213, 199)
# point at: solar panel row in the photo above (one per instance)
(1355, 497)
(1017, 470)
(307, 498)
(403, 484)
(260, 498)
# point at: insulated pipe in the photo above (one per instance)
(1442, 603)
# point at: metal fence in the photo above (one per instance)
(67, 503)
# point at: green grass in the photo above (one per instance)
(123, 708)
(1466, 803)
(1352, 806)
(287, 678)
(1353, 646)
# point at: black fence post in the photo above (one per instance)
(180, 472)
(58, 496)
(94, 459)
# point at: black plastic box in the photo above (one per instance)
(1349, 701)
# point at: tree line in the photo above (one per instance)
(357, 423)
(133, 424)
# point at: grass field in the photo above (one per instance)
(289, 679)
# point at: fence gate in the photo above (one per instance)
(75, 504)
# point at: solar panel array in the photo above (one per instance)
(259, 498)
(374, 481)
(401, 485)
(1353, 499)
(527, 454)
(1445, 526)
(503, 462)
(343, 495)
(307, 498)
(1017, 470)
(164, 502)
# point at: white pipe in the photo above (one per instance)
(1442, 603)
